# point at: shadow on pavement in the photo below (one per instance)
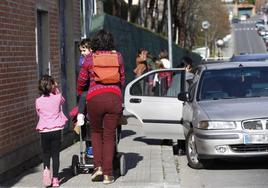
(11, 182)
(65, 175)
(148, 141)
(239, 163)
(126, 133)
(131, 159)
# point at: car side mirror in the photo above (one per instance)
(184, 96)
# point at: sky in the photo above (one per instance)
(134, 2)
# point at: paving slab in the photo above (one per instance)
(148, 165)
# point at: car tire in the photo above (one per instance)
(191, 152)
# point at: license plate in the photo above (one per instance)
(255, 138)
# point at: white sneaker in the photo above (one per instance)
(80, 119)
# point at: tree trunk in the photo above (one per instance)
(129, 10)
(161, 27)
(150, 17)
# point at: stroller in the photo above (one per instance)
(83, 163)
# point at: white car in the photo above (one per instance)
(262, 32)
(152, 98)
(243, 18)
(222, 115)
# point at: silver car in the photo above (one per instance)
(225, 112)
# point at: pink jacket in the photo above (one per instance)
(50, 114)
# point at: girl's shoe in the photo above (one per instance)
(108, 179)
(97, 174)
(55, 182)
(46, 177)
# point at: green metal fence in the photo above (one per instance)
(129, 38)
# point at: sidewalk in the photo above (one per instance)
(149, 164)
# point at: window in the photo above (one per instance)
(42, 43)
(164, 83)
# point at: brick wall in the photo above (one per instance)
(19, 71)
(18, 74)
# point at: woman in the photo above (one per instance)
(104, 107)
(141, 65)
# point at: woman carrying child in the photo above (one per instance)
(104, 106)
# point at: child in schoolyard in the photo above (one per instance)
(85, 50)
(50, 124)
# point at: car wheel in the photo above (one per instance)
(191, 152)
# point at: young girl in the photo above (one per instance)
(51, 122)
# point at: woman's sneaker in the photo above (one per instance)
(108, 179)
(55, 182)
(97, 174)
(46, 177)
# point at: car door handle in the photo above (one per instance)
(135, 100)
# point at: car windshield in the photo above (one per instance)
(241, 82)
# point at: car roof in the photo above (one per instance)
(225, 65)
(246, 60)
(250, 57)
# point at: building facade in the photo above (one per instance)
(36, 37)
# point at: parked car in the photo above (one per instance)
(262, 32)
(265, 36)
(259, 23)
(235, 20)
(225, 112)
(243, 17)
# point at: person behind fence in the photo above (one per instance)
(50, 124)
(187, 64)
(141, 64)
(163, 56)
(104, 101)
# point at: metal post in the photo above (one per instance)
(169, 35)
(205, 26)
(206, 44)
(84, 18)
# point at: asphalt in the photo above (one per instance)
(149, 164)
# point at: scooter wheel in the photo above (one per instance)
(75, 165)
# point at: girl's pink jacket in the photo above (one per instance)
(50, 113)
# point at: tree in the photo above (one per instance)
(187, 16)
(129, 10)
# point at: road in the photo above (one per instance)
(236, 173)
(246, 39)
(245, 173)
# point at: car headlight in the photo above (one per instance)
(216, 125)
